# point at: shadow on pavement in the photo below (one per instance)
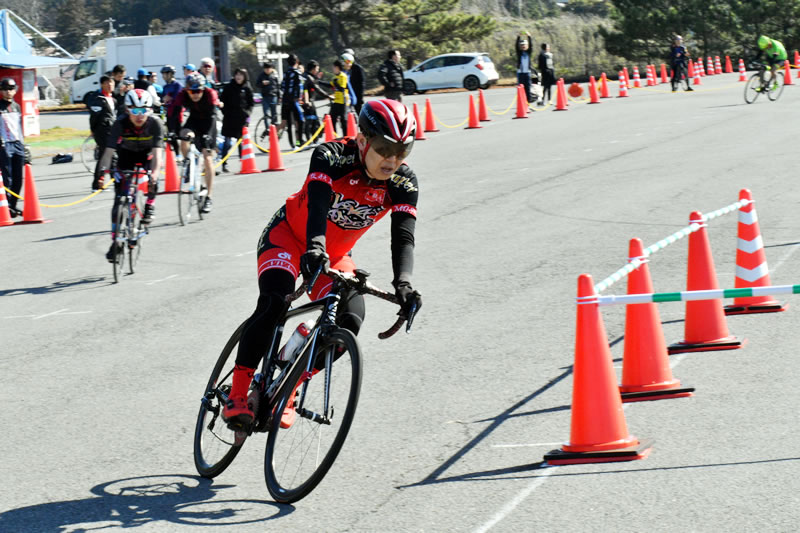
(76, 284)
(144, 501)
(75, 236)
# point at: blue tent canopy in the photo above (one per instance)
(16, 50)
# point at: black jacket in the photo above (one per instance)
(273, 88)
(102, 115)
(238, 100)
(358, 80)
(390, 74)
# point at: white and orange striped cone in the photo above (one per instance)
(623, 86)
(751, 264)
(650, 80)
(717, 65)
(5, 212)
(742, 71)
(248, 158)
(636, 80)
(698, 68)
(710, 66)
(696, 80)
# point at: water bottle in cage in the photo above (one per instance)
(295, 343)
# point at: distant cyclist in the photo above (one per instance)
(773, 50)
(201, 126)
(679, 57)
(138, 139)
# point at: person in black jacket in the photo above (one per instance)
(314, 91)
(292, 90)
(547, 72)
(12, 146)
(237, 100)
(358, 79)
(524, 63)
(390, 74)
(270, 87)
(102, 114)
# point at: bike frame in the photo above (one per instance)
(129, 183)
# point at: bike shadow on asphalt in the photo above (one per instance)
(144, 501)
(67, 285)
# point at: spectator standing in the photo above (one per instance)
(153, 79)
(269, 85)
(390, 74)
(341, 97)
(102, 115)
(524, 62)
(678, 57)
(237, 97)
(12, 149)
(207, 67)
(188, 69)
(118, 74)
(143, 82)
(292, 90)
(358, 79)
(547, 72)
(314, 92)
(171, 90)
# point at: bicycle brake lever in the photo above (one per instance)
(313, 280)
(411, 314)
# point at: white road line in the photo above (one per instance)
(785, 258)
(50, 314)
(518, 499)
(160, 280)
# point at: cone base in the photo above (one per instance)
(631, 453)
(475, 127)
(251, 171)
(431, 131)
(3, 224)
(777, 307)
(275, 169)
(515, 118)
(728, 343)
(663, 394)
(21, 222)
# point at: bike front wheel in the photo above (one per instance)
(120, 240)
(89, 154)
(186, 195)
(308, 427)
(216, 446)
(261, 135)
(752, 89)
(776, 87)
(135, 231)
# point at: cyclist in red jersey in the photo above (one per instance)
(351, 184)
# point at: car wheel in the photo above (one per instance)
(409, 87)
(472, 83)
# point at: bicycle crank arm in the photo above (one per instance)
(314, 417)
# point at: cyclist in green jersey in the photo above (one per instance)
(773, 49)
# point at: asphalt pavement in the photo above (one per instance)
(103, 381)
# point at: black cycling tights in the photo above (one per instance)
(152, 192)
(274, 285)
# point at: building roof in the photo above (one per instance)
(16, 50)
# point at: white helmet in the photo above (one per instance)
(138, 98)
(347, 58)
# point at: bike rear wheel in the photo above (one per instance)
(300, 453)
(135, 231)
(776, 87)
(752, 88)
(89, 154)
(261, 135)
(216, 446)
(120, 240)
(186, 194)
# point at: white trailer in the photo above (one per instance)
(150, 52)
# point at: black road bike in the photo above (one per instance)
(305, 406)
(130, 230)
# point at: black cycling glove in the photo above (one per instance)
(407, 297)
(311, 261)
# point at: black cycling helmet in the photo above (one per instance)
(388, 126)
(167, 68)
(195, 82)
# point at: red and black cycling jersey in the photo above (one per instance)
(337, 181)
(203, 109)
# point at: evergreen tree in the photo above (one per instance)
(72, 23)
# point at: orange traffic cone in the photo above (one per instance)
(172, 181)
(352, 129)
(561, 96)
(742, 71)
(627, 78)
(5, 212)
(796, 59)
(751, 264)
(248, 159)
(473, 116)
(31, 213)
(636, 80)
(623, 87)
(696, 73)
(420, 134)
(598, 432)
(646, 374)
(710, 66)
(728, 66)
(650, 78)
(593, 98)
(717, 65)
(698, 68)
(275, 158)
(787, 74)
(704, 328)
(522, 103)
(483, 112)
(430, 119)
(664, 78)
(329, 133)
(604, 86)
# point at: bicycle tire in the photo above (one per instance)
(120, 240)
(752, 88)
(89, 154)
(135, 230)
(282, 442)
(201, 461)
(776, 87)
(261, 134)
(185, 196)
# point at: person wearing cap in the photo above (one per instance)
(189, 68)
(358, 79)
(270, 87)
(12, 149)
(171, 90)
(143, 82)
(524, 63)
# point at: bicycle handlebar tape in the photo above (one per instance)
(593, 97)
(329, 133)
(483, 112)
(751, 264)
(275, 159)
(248, 158)
(705, 328)
(646, 374)
(604, 86)
(473, 116)
(430, 118)
(787, 73)
(561, 96)
(623, 86)
(5, 213)
(522, 103)
(420, 133)
(742, 71)
(31, 212)
(172, 182)
(352, 129)
(598, 431)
